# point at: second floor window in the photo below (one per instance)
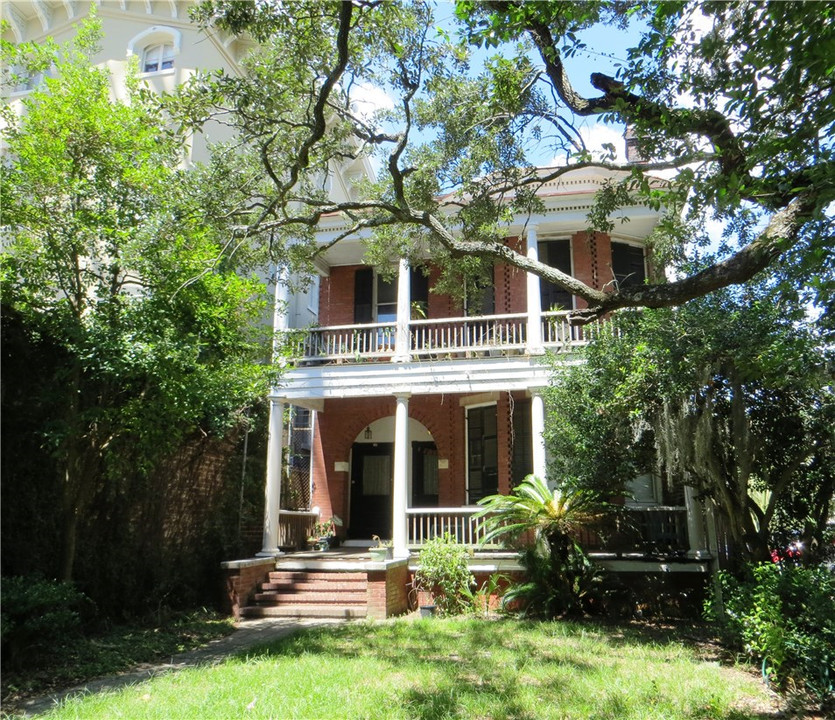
(375, 297)
(557, 254)
(628, 264)
(158, 57)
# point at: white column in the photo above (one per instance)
(280, 307)
(272, 487)
(401, 475)
(404, 312)
(695, 524)
(538, 434)
(534, 330)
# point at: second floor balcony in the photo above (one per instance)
(439, 339)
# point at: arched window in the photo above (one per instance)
(156, 47)
(158, 57)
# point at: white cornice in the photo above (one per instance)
(477, 375)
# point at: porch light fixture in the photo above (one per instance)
(368, 434)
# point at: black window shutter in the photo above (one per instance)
(364, 295)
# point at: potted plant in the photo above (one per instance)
(324, 534)
(382, 551)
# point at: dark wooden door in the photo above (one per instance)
(371, 480)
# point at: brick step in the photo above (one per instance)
(305, 576)
(308, 611)
(330, 587)
(302, 597)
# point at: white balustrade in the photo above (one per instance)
(424, 524)
(441, 338)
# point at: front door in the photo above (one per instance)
(371, 480)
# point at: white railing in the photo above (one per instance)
(295, 526)
(423, 524)
(435, 338)
(481, 334)
(344, 342)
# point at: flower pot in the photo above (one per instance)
(380, 554)
(428, 611)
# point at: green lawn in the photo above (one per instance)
(446, 669)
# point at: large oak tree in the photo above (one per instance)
(732, 96)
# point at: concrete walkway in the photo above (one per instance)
(247, 634)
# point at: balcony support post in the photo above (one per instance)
(533, 344)
(540, 466)
(696, 536)
(401, 475)
(404, 313)
(272, 487)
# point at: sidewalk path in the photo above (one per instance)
(248, 634)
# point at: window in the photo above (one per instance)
(156, 47)
(628, 264)
(482, 453)
(557, 254)
(158, 57)
(375, 297)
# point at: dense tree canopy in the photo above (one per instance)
(731, 394)
(730, 96)
(153, 331)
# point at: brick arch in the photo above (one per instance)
(362, 413)
(436, 423)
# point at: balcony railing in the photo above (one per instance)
(435, 338)
(646, 530)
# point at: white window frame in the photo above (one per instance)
(157, 36)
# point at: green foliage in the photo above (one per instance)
(39, 617)
(107, 257)
(559, 574)
(782, 616)
(473, 113)
(443, 572)
(729, 394)
(555, 584)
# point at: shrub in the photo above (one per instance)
(37, 616)
(444, 573)
(783, 617)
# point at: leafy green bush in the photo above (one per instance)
(38, 615)
(783, 617)
(444, 573)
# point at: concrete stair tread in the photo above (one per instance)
(290, 586)
(343, 598)
(323, 611)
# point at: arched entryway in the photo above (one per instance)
(372, 472)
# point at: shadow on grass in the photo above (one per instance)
(484, 663)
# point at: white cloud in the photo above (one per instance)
(367, 99)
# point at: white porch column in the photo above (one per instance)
(534, 344)
(404, 312)
(696, 537)
(540, 467)
(272, 487)
(401, 475)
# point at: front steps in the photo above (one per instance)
(321, 593)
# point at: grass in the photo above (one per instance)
(460, 668)
(118, 649)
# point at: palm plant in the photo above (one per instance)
(559, 572)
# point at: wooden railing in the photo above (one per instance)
(434, 338)
(645, 530)
(424, 524)
(294, 527)
(477, 335)
(654, 529)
